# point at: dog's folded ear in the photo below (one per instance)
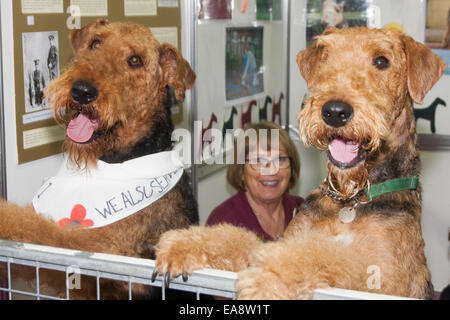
(307, 60)
(177, 72)
(424, 68)
(78, 36)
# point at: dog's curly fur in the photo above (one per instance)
(133, 114)
(318, 250)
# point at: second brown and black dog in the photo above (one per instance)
(361, 230)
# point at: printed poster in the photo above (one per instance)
(214, 9)
(268, 10)
(322, 14)
(140, 8)
(92, 8)
(42, 6)
(437, 29)
(166, 35)
(244, 63)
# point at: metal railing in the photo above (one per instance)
(104, 266)
(209, 282)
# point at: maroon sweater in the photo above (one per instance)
(237, 211)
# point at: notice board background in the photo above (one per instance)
(57, 22)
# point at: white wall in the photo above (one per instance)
(436, 215)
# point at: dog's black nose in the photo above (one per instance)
(337, 113)
(84, 92)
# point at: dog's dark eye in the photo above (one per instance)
(135, 62)
(381, 63)
(95, 44)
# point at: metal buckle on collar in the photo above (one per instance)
(357, 198)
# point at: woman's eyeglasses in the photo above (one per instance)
(261, 163)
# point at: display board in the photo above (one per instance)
(41, 49)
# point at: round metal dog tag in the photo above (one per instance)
(347, 214)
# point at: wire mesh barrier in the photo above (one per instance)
(25, 258)
(41, 263)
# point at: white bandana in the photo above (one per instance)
(98, 197)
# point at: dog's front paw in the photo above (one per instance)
(178, 253)
(258, 283)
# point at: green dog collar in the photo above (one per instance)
(393, 185)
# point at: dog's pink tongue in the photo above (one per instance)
(81, 128)
(343, 151)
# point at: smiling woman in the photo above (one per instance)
(271, 167)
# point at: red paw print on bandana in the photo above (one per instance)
(77, 218)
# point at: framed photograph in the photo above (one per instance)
(214, 9)
(244, 64)
(433, 116)
(40, 65)
(268, 10)
(437, 29)
(322, 14)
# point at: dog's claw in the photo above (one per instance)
(154, 275)
(167, 279)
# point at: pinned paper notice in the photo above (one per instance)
(91, 8)
(41, 136)
(166, 34)
(42, 6)
(140, 8)
(168, 3)
(30, 20)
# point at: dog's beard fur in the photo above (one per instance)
(368, 133)
(65, 109)
(152, 125)
(348, 182)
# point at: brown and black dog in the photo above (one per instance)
(361, 230)
(120, 84)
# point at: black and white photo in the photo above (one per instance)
(41, 65)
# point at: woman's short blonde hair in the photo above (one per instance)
(235, 171)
